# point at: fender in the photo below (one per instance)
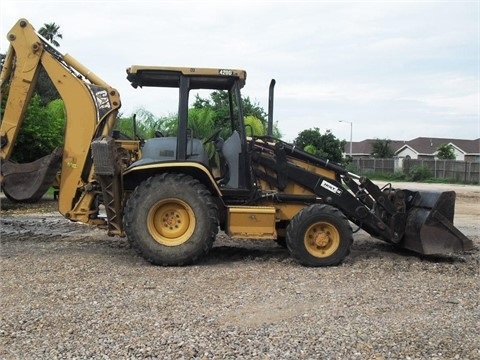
(137, 173)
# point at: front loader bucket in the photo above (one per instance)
(28, 182)
(429, 229)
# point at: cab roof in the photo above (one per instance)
(200, 78)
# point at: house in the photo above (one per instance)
(363, 149)
(420, 148)
(425, 148)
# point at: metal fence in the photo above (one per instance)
(459, 171)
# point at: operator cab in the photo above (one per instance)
(232, 163)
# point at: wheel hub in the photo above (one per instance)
(171, 222)
(322, 239)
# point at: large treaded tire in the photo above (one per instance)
(319, 235)
(171, 220)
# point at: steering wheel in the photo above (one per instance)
(158, 134)
(213, 137)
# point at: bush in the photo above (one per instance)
(42, 130)
(351, 167)
(396, 176)
(420, 173)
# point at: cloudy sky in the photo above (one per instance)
(394, 69)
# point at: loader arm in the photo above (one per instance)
(91, 108)
(421, 221)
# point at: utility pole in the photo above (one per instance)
(351, 134)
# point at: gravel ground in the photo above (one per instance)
(68, 291)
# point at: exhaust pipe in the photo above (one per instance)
(270, 108)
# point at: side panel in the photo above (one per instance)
(253, 222)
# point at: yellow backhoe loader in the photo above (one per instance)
(163, 193)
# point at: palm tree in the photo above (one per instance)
(50, 32)
(44, 86)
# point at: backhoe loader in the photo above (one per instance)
(165, 195)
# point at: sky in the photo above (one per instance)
(362, 69)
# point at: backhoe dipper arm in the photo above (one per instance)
(91, 108)
(23, 78)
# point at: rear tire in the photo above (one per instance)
(171, 220)
(319, 235)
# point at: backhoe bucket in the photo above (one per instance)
(30, 181)
(429, 229)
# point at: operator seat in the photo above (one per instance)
(231, 150)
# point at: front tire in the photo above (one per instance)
(319, 235)
(171, 220)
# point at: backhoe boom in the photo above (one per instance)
(91, 107)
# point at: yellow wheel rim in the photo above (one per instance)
(171, 222)
(322, 239)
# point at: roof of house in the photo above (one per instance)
(427, 145)
(364, 147)
(469, 146)
(421, 145)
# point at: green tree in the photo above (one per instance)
(311, 149)
(50, 32)
(322, 145)
(2, 60)
(56, 109)
(381, 149)
(219, 103)
(254, 109)
(44, 86)
(446, 152)
(4, 96)
(201, 122)
(42, 130)
(254, 126)
(146, 125)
